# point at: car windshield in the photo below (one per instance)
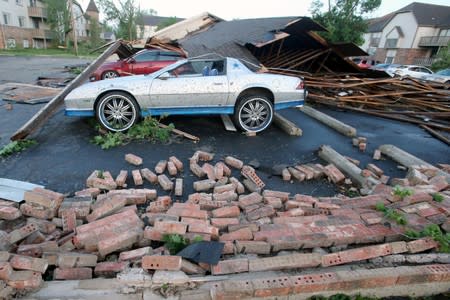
(444, 72)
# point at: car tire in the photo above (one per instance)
(117, 111)
(253, 113)
(109, 75)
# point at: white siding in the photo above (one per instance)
(424, 31)
(408, 24)
(15, 11)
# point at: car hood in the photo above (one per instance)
(128, 83)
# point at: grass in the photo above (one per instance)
(402, 192)
(391, 214)
(46, 52)
(16, 147)
(438, 197)
(433, 231)
(147, 129)
(175, 242)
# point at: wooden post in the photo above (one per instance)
(327, 120)
(286, 125)
(330, 155)
(41, 117)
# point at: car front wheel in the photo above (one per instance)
(253, 113)
(117, 111)
(110, 75)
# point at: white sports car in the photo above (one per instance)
(189, 87)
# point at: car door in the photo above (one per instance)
(190, 89)
(144, 63)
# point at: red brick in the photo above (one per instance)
(421, 245)
(9, 213)
(21, 233)
(44, 197)
(265, 211)
(81, 206)
(153, 234)
(203, 155)
(72, 274)
(69, 220)
(76, 260)
(161, 262)
(109, 207)
(170, 227)
(118, 242)
(160, 205)
(253, 247)
(20, 262)
(171, 168)
(247, 200)
(179, 187)
(249, 173)
(186, 212)
(161, 166)
(284, 196)
(372, 218)
(37, 212)
(308, 173)
(240, 189)
(109, 268)
(234, 162)
(223, 223)
(190, 221)
(276, 203)
(137, 177)
(149, 175)
(284, 262)
(272, 287)
(357, 254)
(5, 270)
(89, 192)
(243, 234)
(25, 280)
(197, 170)
(104, 183)
(229, 289)
(165, 182)
(286, 175)
(178, 164)
(334, 174)
(43, 226)
(224, 188)
(218, 170)
(135, 254)
(230, 266)
(226, 212)
(201, 228)
(133, 159)
(36, 250)
(209, 170)
(300, 176)
(121, 179)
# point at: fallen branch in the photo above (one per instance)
(180, 133)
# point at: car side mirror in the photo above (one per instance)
(164, 76)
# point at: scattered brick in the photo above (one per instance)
(204, 185)
(226, 212)
(228, 196)
(21, 233)
(265, 211)
(109, 269)
(291, 261)
(230, 266)
(224, 188)
(107, 208)
(9, 213)
(334, 174)
(300, 176)
(119, 241)
(161, 167)
(178, 164)
(171, 168)
(421, 245)
(121, 179)
(240, 189)
(137, 178)
(39, 212)
(135, 254)
(76, 260)
(170, 227)
(234, 162)
(89, 192)
(162, 262)
(197, 170)
(72, 274)
(249, 173)
(244, 234)
(373, 168)
(286, 175)
(179, 187)
(133, 159)
(25, 280)
(253, 247)
(5, 270)
(165, 182)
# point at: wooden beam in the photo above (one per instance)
(43, 115)
(329, 121)
(436, 134)
(286, 125)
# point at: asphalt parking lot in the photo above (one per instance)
(64, 156)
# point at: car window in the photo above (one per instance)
(200, 68)
(169, 57)
(146, 56)
(424, 70)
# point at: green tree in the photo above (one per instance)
(127, 14)
(167, 23)
(443, 59)
(94, 33)
(344, 19)
(59, 19)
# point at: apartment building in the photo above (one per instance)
(151, 24)
(412, 35)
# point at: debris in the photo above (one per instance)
(203, 252)
(27, 93)
(329, 121)
(180, 133)
(14, 190)
(286, 125)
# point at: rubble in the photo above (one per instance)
(105, 231)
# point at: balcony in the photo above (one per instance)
(37, 12)
(434, 41)
(41, 33)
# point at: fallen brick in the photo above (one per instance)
(121, 179)
(135, 254)
(36, 250)
(81, 206)
(240, 189)
(178, 164)
(272, 287)
(226, 212)
(300, 176)
(206, 229)
(109, 269)
(230, 266)
(133, 159)
(421, 245)
(249, 173)
(165, 182)
(161, 167)
(186, 212)
(228, 196)
(109, 207)
(161, 204)
(276, 203)
(334, 174)
(137, 178)
(89, 192)
(234, 162)
(21, 233)
(356, 254)
(25, 280)
(5, 270)
(247, 200)
(244, 234)
(149, 175)
(265, 211)
(204, 185)
(223, 223)
(209, 170)
(253, 247)
(308, 173)
(162, 262)
(101, 180)
(224, 188)
(170, 227)
(69, 220)
(9, 213)
(20, 262)
(76, 260)
(219, 170)
(119, 241)
(204, 156)
(191, 268)
(197, 170)
(179, 187)
(72, 274)
(286, 175)
(285, 262)
(373, 168)
(171, 168)
(39, 212)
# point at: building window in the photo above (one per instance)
(6, 19)
(19, 2)
(22, 21)
(444, 32)
(390, 56)
(26, 43)
(391, 43)
(11, 43)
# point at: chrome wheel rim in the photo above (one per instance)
(109, 75)
(117, 112)
(255, 114)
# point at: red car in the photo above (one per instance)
(143, 62)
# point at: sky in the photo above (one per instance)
(243, 9)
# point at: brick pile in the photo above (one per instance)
(107, 228)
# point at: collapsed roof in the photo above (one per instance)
(284, 42)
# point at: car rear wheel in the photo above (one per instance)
(117, 111)
(109, 75)
(253, 113)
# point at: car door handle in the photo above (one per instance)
(218, 83)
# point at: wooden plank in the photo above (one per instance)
(329, 121)
(436, 134)
(229, 125)
(181, 133)
(286, 125)
(42, 116)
